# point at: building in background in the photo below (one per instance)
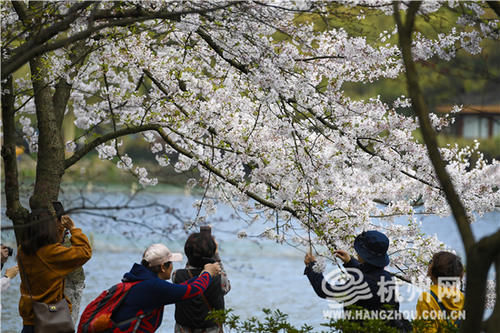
(474, 121)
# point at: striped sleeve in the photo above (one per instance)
(198, 286)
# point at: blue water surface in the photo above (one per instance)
(263, 273)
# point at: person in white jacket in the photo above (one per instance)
(9, 272)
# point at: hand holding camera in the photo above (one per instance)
(6, 253)
(67, 222)
(212, 269)
(309, 258)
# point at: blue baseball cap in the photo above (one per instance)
(372, 247)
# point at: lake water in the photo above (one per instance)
(263, 274)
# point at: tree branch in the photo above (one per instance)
(319, 58)
(34, 46)
(221, 175)
(38, 45)
(208, 39)
(421, 109)
(20, 9)
(104, 138)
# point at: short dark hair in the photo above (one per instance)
(155, 269)
(446, 264)
(198, 247)
(41, 230)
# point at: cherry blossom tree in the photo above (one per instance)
(252, 95)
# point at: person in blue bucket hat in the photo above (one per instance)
(371, 247)
(369, 286)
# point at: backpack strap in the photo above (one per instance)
(23, 273)
(139, 318)
(441, 305)
(443, 308)
(210, 308)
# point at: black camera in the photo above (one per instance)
(59, 209)
(9, 249)
(206, 230)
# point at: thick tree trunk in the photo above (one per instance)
(50, 162)
(15, 211)
(50, 108)
(477, 274)
(493, 244)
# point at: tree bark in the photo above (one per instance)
(15, 211)
(475, 288)
(493, 322)
(50, 163)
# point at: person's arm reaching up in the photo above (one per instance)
(67, 259)
(170, 293)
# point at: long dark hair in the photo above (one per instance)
(198, 248)
(41, 231)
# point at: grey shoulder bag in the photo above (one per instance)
(50, 318)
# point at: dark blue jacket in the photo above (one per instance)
(373, 276)
(150, 295)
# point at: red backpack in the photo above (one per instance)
(97, 315)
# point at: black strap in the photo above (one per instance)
(138, 323)
(202, 294)
(210, 308)
(441, 305)
(24, 275)
(443, 308)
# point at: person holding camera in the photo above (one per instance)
(44, 262)
(6, 253)
(370, 288)
(141, 310)
(190, 315)
(11, 272)
(74, 283)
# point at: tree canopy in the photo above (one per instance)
(252, 94)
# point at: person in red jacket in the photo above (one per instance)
(148, 297)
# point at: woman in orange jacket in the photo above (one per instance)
(44, 262)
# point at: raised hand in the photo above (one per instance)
(343, 255)
(212, 269)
